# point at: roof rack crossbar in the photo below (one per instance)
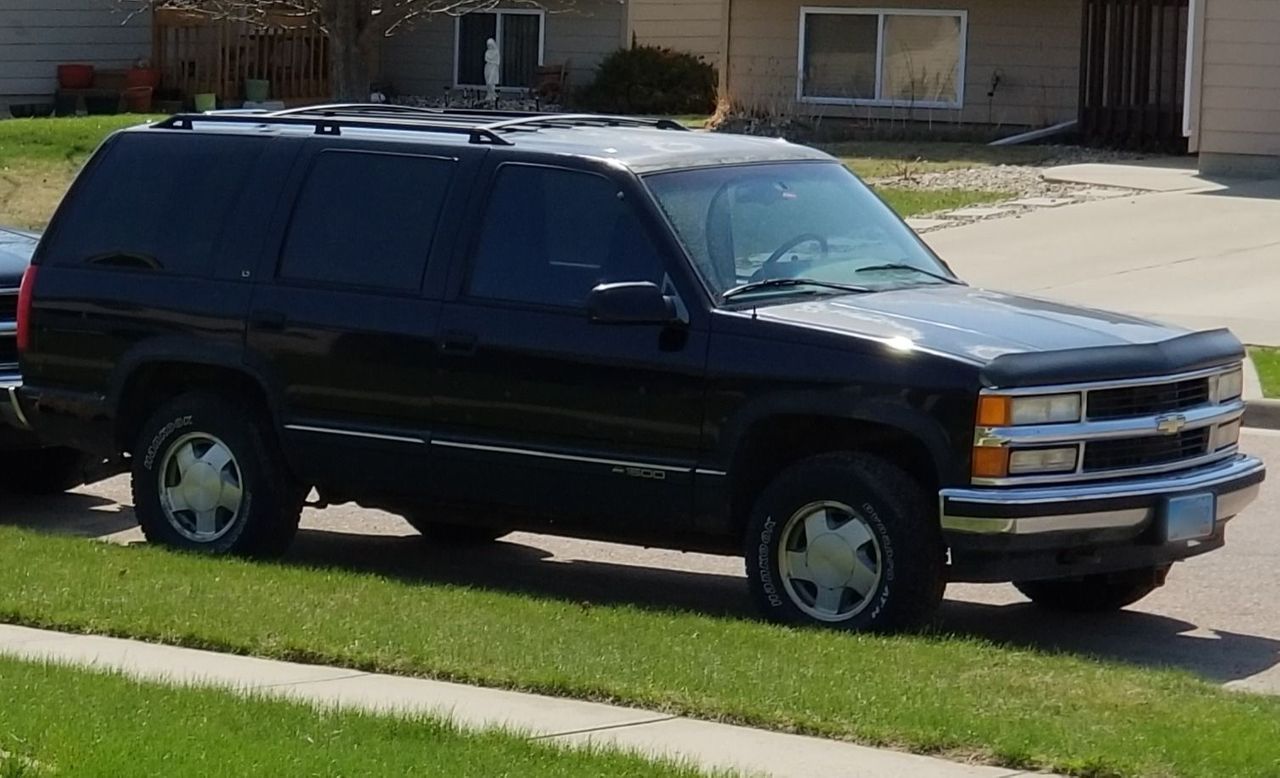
(533, 121)
(332, 125)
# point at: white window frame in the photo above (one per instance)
(881, 14)
(500, 12)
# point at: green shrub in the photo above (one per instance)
(652, 80)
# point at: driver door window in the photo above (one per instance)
(551, 235)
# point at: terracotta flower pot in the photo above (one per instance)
(149, 77)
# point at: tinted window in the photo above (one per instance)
(157, 200)
(366, 219)
(550, 235)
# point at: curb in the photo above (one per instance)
(1264, 414)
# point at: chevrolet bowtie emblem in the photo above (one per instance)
(1171, 425)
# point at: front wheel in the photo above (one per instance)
(846, 541)
(1094, 593)
(207, 476)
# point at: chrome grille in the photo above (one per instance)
(1153, 399)
(1100, 455)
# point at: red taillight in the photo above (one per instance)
(24, 307)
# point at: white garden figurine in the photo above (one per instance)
(492, 67)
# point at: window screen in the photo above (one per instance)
(883, 57)
(366, 219)
(157, 201)
(549, 236)
(519, 39)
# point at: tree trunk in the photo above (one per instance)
(348, 59)
(348, 71)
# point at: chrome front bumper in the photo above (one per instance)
(1111, 508)
(10, 411)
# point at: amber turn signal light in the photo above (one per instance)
(990, 462)
(994, 411)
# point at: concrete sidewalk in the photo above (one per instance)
(706, 744)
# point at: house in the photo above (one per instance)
(38, 35)
(1178, 75)
(445, 51)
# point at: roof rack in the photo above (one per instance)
(330, 119)
(332, 125)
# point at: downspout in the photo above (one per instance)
(1194, 77)
(726, 13)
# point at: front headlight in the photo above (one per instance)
(1000, 411)
(1042, 460)
(1230, 385)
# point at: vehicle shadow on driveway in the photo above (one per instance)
(72, 513)
(1131, 636)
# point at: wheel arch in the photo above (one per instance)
(910, 440)
(160, 371)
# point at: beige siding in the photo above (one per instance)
(1240, 78)
(1035, 44)
(38, 35)
(694, 26)
(420, 61)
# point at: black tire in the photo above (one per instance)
(1094, 593)
(42, 471)
(270, 502)
(909, 554)
(445, 533)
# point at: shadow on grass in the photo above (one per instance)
(1130, 636)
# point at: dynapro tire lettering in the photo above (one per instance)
(886, 548)
(766, 567)
(158, 440)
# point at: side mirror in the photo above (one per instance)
(632, 302)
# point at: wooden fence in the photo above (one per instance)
(1132, 66)
(196, 54)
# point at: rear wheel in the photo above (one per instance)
(43, 471)
(445, 533)
(1094, 593)
(207, 477)
(846, 541)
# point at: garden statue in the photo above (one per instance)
(492, 67)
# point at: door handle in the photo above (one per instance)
(268, 320)
(458, 344)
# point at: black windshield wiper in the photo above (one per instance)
(904, 266)
(774, 283)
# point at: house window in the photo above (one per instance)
(519, 34)
(898, 57)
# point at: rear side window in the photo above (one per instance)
(550, 235)
(366, 219)
(156, 201)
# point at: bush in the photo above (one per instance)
(652, 80)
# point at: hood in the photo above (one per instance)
(1018, 340)
(16, 248)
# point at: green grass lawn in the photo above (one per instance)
(65, 722)
(965, 698)
(1267, 360)
(913, 202)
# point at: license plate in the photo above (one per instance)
(1188, 518)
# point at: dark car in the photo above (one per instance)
(26, 466)
(610, 328)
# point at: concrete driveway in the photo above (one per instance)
(1191, 252)
(1218, 617)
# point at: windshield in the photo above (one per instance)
(810, 222)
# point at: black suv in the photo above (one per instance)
(610, 328)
